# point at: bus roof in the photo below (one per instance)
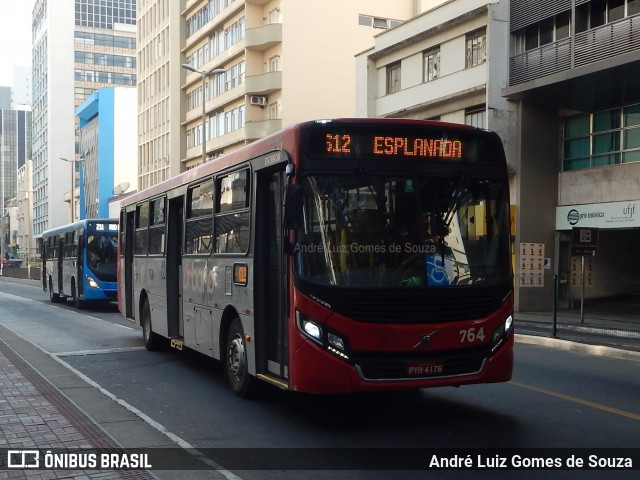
(264, 145)
(79, 224)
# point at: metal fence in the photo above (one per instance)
(612, 321)
(22, 272)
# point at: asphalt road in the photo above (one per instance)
(558, 400)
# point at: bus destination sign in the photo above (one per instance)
(381, 145)
(102, 227)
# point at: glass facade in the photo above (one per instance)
(606, 137)
(104, 13)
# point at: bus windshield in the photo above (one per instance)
(101, 256)
(404, 232)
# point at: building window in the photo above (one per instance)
(274, 16)
(607, 137)
(476, 48)
(274, 111)
(431, 64)
(393, 78)
(377, 22)
(475, 116)
(274, 63)
(543, 32)
(600, 12)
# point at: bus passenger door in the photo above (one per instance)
(44, 257)
(130, 235)
(79, 273)
(270, 277)
(59, 266)
(173, 257)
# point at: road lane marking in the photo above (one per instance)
(81, 353)
(587, 403)
(126, 327)
(146, 418)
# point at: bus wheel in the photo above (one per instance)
(54, 297)
(152, 340)
(236, 365)
(74, 294)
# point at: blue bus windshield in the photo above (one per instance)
(101, 256)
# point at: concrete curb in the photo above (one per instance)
(578, 347)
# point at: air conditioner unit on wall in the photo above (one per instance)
(260, 101)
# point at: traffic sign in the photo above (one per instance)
(584, 241)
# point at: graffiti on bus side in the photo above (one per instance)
(200, 277)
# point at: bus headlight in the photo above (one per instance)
(501, 333)
(507, 324)
(336, 345)
(335, 341)
(312, 330)
(329, 340)
(92, 283)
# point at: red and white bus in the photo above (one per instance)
(333, 256)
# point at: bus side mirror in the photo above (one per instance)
(293, 207)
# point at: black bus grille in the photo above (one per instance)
(382, 310)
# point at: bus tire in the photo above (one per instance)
(236, 366)
(152, 340)
(74, 294)
(54, 297)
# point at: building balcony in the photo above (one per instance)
(585, 48)
(468, 82)
(263, 84)
(254, 130)
(263, 38)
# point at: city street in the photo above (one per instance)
(559, 400)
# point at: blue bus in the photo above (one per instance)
(80, 260)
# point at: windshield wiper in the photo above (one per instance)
(456, 195)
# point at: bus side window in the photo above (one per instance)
(142, 233)
(199, 227)
(232, 213)
(156, 227)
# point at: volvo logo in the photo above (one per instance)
(425, 340)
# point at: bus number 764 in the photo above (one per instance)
(471, 335)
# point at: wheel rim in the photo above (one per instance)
(236, 359)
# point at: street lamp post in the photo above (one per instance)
(73, 185)
(204, 75)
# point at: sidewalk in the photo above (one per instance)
(36, 415)
(46, 406)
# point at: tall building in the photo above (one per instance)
(25, 243)
(449, 63)
(262, 65)
(108, 138)
(78, 46)
(5, 98)
(573, 69)
(15, 150)
(21, 85)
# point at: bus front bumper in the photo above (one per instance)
(317, 371)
